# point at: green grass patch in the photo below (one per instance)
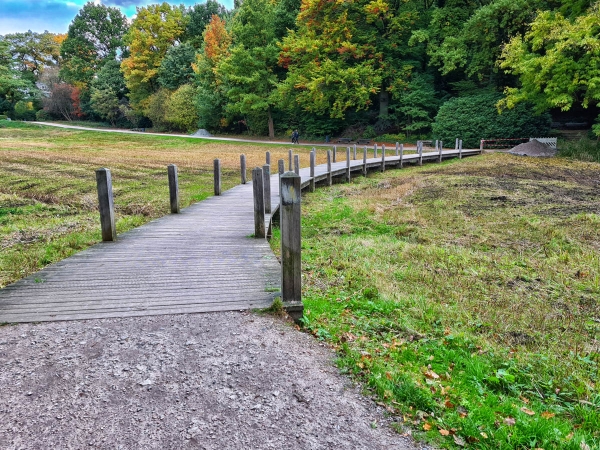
(465, 296)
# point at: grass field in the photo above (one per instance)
(466, 296)
(48, 198)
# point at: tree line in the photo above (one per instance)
(395, 69)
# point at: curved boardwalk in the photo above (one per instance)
(201, 260)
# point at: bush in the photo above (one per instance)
(584, 150)
(475, 117)
(156, 109)
(181, 109)
(24, 110)
(3, 117)
(42, 115)
(392, 138)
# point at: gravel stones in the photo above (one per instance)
(206, 381)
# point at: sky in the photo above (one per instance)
(56, 15)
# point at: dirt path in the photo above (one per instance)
(208, 381)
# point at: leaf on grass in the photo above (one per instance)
(509, 421)
(459, 441)
(548, 415)
(524, 400)
(462, 411)
(448, 404)
(444, 432)
(584, 446)
(483, 435)
(427, 426)
(431, 375)
(528, 411)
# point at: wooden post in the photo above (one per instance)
(106, 205)
(354, 153)
(397, 148)
(281, 166)
(297, 164)
(267, 187)
(313, 157)
(441, 144)
(173, 188)
(291, 269)
(348, 164)
(400, 162)
(375, 151)
(383, 158)
(460, 149)
(364, 161)
(334, 153)
(268, 158)
(481, 146)
(217, 176)
(329, 176)
(290, 159)
(420, 153)
(259, 203)
(243, 168)
(456, 144)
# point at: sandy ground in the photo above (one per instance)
(533, 148)
(209, 381)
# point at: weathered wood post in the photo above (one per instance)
(243, 168)
(481, 146)
(267, 187)
(259, 203)
(401, 162)
(217, 176)
(354, 153)
(313, 157)
(173, 188)
(383, 158)
(268, 158)
(364, 168)
(291, 270)
(329, 175)
(106, 205)
(281, 166)
(297, 164)
(397, 148)
(374, 150)
(456, 144)
(290, 160)
(420, 153)
(348, 176)
(334, 153)
(460, 149)
(441, 144)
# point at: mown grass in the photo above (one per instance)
(466, 296)
(48, 198)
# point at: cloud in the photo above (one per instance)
(23, 15)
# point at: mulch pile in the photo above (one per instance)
(533, 148)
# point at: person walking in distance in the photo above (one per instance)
(295, 135)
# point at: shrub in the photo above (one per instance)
(181, 109)
(42, 115)
(3, 117)
(392, 138)
(24, 110)
(156, 109)
(475, 117)
(584, 149)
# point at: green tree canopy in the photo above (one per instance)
(95, 34)
(176, 67)
(199, 17)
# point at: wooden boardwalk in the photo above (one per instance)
(203, 259)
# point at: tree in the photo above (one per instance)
(33, 52)
(181, 109)
(417, 106)
(13, 86)
(63, 101)
(248, 71)
(557, 62)
(199, 17)
(155, 29)
(156, 108)
(347, 55)
(211, 94)
(107, 92)
(95, 35)
(176, 67)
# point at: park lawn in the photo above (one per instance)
(465, 296)
(48, 198)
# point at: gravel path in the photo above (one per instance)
(208, 381)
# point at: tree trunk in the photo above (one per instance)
(384, 101)
(271, 126)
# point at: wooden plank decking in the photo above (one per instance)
(203, 259)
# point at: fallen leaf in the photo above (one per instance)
(483, 435)
(459, 441)
(431, 375)
(569, 436)
(548, 415)
(448, 404)
(427, 426)
(528, 411)
(444, 432)
(584, 446)
(462, 412)
(509, 421)
(523, 399)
